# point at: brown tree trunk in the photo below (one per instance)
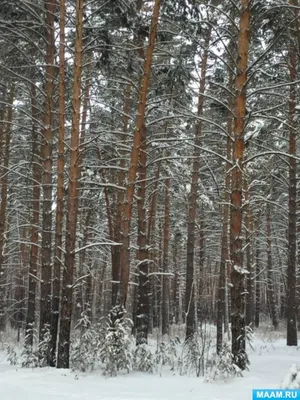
(46, 154)
(20, 288)
(257, 282)
(153, 252)
(249, 263)
(201, 277)
(127, 211)
(270, 283)
(34, 235)
(177, 278)
(142, 314)
(291, 309)
(60, 189)
(237, 275)
(222, 304)
(165, 261)
(74, 173)
(116, 250)
(192, 203)
(4, 191)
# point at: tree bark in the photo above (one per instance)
(116, 250)
(270, 283)
(165, 260)
(34, 235)
(74, 173)
(291, 309)
(249, 263)
(257, 282)
(46, 154)
(3, 205)
(142, 315)
(60, 189)
(127, 211)
(237, 275)
(192, 203)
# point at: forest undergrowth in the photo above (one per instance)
(108, 347)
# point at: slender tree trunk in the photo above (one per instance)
(142, 317)
(220, 307)
(237, 275)
(257, 282)
(192, 203)
(202, 278)
(3, 205)
(177, 278)
(46, 153)
(222, 304)
(127, 211)
(249, 263)
(74, 173)
(116, 250)
(34, 235)
(60, 189)
(165, 260)
(84, 203)
(153, 252)
(270, 283)
(291, 311)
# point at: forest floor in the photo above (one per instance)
(270, 361)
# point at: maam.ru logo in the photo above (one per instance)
(258, 394)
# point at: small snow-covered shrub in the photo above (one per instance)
(116, 353)
(292, 378)
(43, 348)
(221, 366)
(29, 355)
(167, 354)
(249, 336)
(85, 345)
(12, 356)
(143, 359)
(195, 354)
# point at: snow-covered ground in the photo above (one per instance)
(269, 364)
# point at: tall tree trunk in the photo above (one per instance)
(153, 252)
(46, 154)
(192, 203)
(127, 211)
(142, 315)
(71, 223)
(201, 278)
(165, 260)
(249, 263)
(225, 256)
(291, 310)
(60, 188)
(222, 304)
(177, 278)
(270, 283)
(20, 288)
(116, 250)
(3, 205)
(34, 235)
(257, 282)
(237, 275)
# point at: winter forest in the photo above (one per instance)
(149, 194)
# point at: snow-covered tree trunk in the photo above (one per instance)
(237, 275)
(192, 201)
(63, 357)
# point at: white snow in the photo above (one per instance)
(270, 362)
